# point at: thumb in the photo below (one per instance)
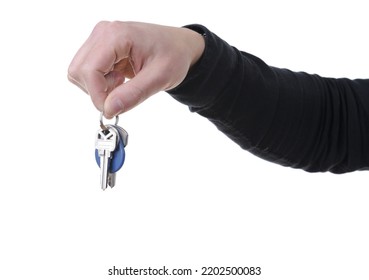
(128, 95)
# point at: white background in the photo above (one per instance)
(187, 196)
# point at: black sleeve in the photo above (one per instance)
(291, 118)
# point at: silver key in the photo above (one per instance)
(111, 179)
(123, 134)
(112, 176)
(106, 142)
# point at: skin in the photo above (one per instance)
(153, 57)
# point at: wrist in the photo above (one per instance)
(197, 44)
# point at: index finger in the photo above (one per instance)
(94, 60)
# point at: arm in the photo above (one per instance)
(290, 118)
(294, 119)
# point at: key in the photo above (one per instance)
(117, 157)
(111, 160)
(111, 179)
(119, 154)
(105, 144)
(123, 134)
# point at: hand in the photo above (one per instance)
(153, 57)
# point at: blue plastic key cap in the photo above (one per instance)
(118, 156)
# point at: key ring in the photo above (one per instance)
(102, 125)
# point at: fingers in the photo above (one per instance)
(128, 95)
(154, 57)
(114, 79)
(94, 60)
(103, 62)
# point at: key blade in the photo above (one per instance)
(104, 164)
(112, 179)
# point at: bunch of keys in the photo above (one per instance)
(109, 151)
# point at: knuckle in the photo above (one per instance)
(72, 71)
(101, 25)
(73, 74)
(77, 72)
(113, 32)
(108, 26)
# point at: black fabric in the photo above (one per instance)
(290, 118)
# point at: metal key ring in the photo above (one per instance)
(102, 125)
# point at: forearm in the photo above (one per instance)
(294, 119)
